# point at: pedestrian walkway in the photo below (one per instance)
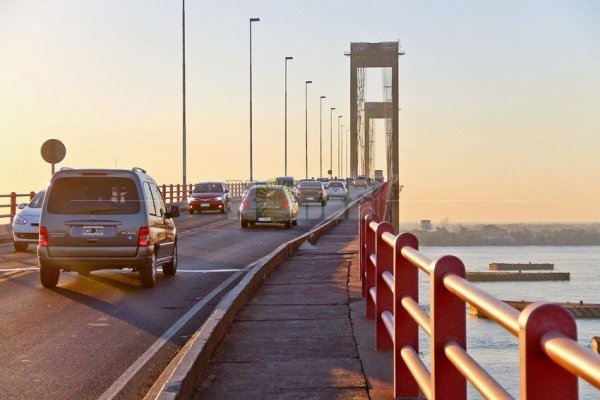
(304, 334)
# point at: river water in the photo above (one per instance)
(490, 345)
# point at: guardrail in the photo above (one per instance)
(550, 358)
(171, 194)
(12, 205)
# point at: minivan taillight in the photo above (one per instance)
(43, 236)
(245, 203)
(284, 204)
(144, 238)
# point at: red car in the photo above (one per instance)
(209, 196)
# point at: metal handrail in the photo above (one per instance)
(417, 369)
(496, 310)
(541, 327)
(567, 353)
(479, 378)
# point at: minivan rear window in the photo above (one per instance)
(94, 195)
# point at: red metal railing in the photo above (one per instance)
(171, 194)
(550, 358)
(12, 204)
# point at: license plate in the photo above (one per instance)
(264, 219)
(92, 230)
(310, 198)
(205, 205)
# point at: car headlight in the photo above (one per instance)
(20, 220)
(219, 198)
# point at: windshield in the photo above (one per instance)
(285, 181)
(309, 184)
(209, 188)
(250, 184)
(94, 195)
(265, 193)
(37, 200)
(336, 184)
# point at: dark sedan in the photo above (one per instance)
(269, 204)
(312, 192)
(210, 196)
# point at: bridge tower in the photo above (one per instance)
(374, 55)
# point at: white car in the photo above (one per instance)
(26, 223)
(337, 189)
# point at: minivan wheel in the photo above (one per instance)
(170, 268)
(148, 273)
(20, 246)
(49, 276)
(244, 224)
(288, 224)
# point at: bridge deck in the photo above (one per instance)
(303, 334)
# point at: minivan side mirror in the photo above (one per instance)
(21, 206)
(226, 190)
(173, 213)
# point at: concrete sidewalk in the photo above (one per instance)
(304, 333)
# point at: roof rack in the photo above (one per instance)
(138, 169)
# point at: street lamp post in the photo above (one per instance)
(321, 136)
(183, 98)
(286, 60)
(341, 150)
(347, 147)
(306, 124)
(339, 117)
(331, 139)
(251, 21)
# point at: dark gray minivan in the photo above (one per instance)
(96, 219)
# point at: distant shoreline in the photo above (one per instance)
(499, 235)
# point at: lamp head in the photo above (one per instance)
(323, 97)
(307, 82)
(289, 58)
(254, 19)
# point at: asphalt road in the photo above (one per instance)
(103, 336)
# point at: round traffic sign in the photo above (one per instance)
(53, 151)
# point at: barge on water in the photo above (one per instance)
(578, 310)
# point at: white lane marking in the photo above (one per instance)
(12, 275)
(207, 227)
(120, 383)
(32, 268)
(5, 244)
(206, 271)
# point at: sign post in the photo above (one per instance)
(53, 151)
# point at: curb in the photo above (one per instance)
(179, 378)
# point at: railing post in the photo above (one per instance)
(448, 322)
(370, 272)
(164, 192)
(178, 193)
(363, 224)
(31, 195)
(385, 262)
(170, 193)
(13, 206)
(406, 329)
(541, 377)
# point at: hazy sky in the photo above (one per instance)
(499, 117)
